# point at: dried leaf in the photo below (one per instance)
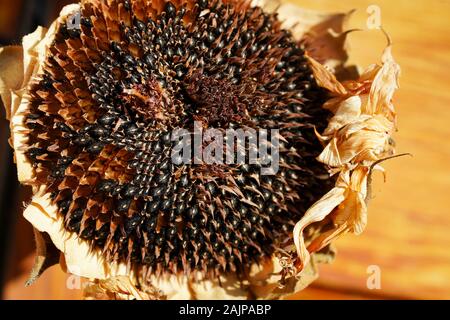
(47, 255)
(316, 213)
(326, 79)
(119, 288)
(383, 87)
(11, 71)
(323, 34)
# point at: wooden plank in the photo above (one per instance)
(317, 292)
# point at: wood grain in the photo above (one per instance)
(408, 232)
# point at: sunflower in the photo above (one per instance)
(92, 103)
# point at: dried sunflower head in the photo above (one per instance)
(92, 108)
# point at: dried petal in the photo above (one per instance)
(357, 137)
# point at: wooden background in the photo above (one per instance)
(408, 235)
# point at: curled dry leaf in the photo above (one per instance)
(323, 34)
